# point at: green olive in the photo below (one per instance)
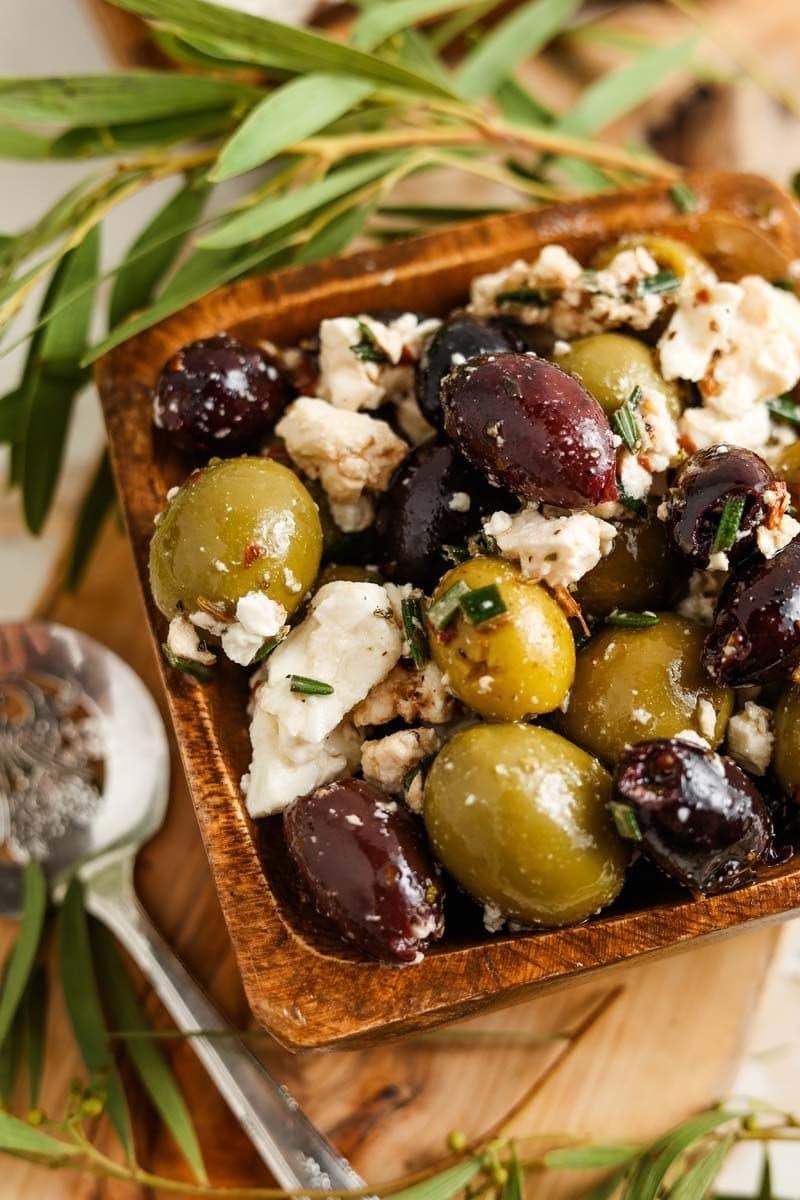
(611, 365)
(520, 664)
(669, 253)
(786, 756)
(636, 574)
(519, 816)
(787, 468)
(635, 684)
(237, 526)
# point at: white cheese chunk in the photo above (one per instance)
(413, 695)
(704, 588)
(257, 618)
(704, 427)
(750, 738)
(771, 540)
(348, 452)
(349, 378)
(388, 760)
(550, 546)
(283, 769)
(183, 641)
(700, 328)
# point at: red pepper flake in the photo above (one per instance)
(251, 552)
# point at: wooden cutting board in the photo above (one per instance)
(664, 1045)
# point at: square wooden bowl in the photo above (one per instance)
(304, 986)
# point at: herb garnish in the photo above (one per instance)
(188, 666)
(662, 281)
(266, 648)
(540, 297)
(483, 604)
(367, 349)
(444, 610)
(683, 197)
(785, 409)
(626, 821)
(632, 503)
(309, 687)
(626, 619)
(729, 522)
(414, 628)
(625, 423)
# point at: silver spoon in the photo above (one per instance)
(82, 742)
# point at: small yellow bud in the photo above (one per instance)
(457, 1141)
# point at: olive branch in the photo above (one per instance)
(681, 1164)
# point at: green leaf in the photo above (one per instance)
(17, 1137)
(54, 380)
(606, 1187)
(24, 145)
(520, 107)
(10, 410)
(337, 235)
(122, 97)
(11, 1059)
(443, 1186)
(293, 112)
(514, 1187)
(648, 1176)
(592, 1157)
(83, 1007)
(273, 44)
(274, 212)
(35, 1030)
(95, 507)
(521, 35)
(765, 1182)
(154, 251)
(95, 141)
(151, 1066)
(697, 1181)
(380, 21)
(23, 956)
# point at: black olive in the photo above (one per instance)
(693, 813)
(457, 340)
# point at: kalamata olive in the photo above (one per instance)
(436, 500)
(367, 867)
(703, 486)
(218, 395)
(457, 340)
(532, 428)
(786, 758)
(755, 637)
(693, 812)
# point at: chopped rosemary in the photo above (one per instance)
(455, 554)
(632, 503)
(310, 687)
(367, 349)
(784, 285)
(444, 610)
(785, 409)
(538, 296)
(662, 281)
(683, 197)
(624, 421)
(187, 665)
(414, 628)
(267, 647)
(626, 821)
(729, 522)
(483, 604)
(626, 619)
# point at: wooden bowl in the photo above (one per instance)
(304, 986)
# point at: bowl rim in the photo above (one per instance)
(305, 996)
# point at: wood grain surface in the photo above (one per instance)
(668, 1044)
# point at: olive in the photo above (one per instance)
(241, 525)
(632, 684)
(635, 575)
(365, 863)
(519, 664)
(694, 813)
(532, 428)
(435, 501)
(219, 395)
(612, 365)
(519, 817)
(457, 340)
(669, 253)
(787, 468)
(704, 485)
(786, 755)
(755, 637)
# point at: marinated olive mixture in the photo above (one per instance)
(511, 579)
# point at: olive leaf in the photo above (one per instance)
(648, 1176)
(128, 96)
(295, 111)
(10, 408)
(85, 1013)
(514, 1187)
(523, 33)
(378, 22)
(23, 144)
(95, 507)
(149, 1062)
(592, 1157)
(443, 1186)
(18, 1137)
(34, 1030)
(337, 234)
(98, 141)
(696, 1183)
(23, 956)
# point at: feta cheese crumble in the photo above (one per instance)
(388, 760)
(354, 382)
(183, 641)
(750, 738)
(413, 695)
(550, 546)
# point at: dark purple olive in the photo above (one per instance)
(456, 341)
(367, 866)
(219, 395)
(694, 813)
(531, 427)
(755, 637)
(700, 491)
(435, 501)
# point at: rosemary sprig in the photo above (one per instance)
(729, 523)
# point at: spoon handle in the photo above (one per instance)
(294, 1150)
